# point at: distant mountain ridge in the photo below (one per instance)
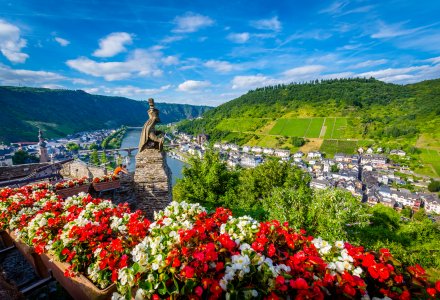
(61, 112)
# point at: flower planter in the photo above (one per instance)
(108, 185)
(79, 287)
(72, 191)
(28, 253)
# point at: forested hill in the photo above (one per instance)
(373, 109)
(61, 112)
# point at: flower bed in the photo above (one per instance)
(72, 183)
(107, 182)
(190, 253)
(72, 187)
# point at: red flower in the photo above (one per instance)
(437, 285)
(188, 272)
(273, 296)
(349, 290)
(116, 245)
(199, 291)
(219, 266)
(431, 292)
(398, 279)
(271, 250)
(176, 263)
(405, 296)
(215, 288)
(299, 284)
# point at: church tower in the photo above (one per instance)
(44, 157)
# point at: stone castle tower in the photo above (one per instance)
(152, 175)
(44, 157)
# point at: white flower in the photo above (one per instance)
(358, 271)
(254, 293)
(339, 244)
(340, 267)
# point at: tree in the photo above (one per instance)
(94, 158)
(434, 186)
(73, 147)
(93, 146)
(334, 169)
(205, 181)
(297, 141)
(23, 157)
(257, 184)
(104, 158)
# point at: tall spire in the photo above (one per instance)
(44, 157)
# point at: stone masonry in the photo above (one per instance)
(152, 181)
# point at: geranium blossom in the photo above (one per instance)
(191, 253)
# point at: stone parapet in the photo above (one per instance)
(78, 169)
(18, 171)
(152, 181)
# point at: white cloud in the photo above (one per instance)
(335, 7)
(267, 24)
(92, 90)
(11, 43)
(113, 44)
(315, 34)
(221, 66)
(170, 60)
(239, 38)
(54, 86)
(434, 60)
(393, 30)
(10, 76)
(81, 81)
(303, 70)
(192, 85)
(252, 81)
(139, 63)
(369, 63)
(191, 22)
(171, 39)
(61, 41)
(133, 91)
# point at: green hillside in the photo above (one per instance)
(60, 112)
(329, 112)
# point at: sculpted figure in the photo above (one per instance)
(150, 137)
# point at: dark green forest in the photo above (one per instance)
(61, 112)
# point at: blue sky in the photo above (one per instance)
(206, 53)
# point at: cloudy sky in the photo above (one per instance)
(199, 52)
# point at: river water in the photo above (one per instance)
(131, 139)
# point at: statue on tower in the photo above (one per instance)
(150, 137)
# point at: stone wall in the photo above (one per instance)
(12, 172)
(152, 181)
(78, 169)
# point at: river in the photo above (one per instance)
(131, 139)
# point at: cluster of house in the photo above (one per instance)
(55, 148)
(368, 175)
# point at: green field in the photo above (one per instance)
(314, 129)
(291, 127)
(336, 128)
(340, 128)
(329, 125)
(331, 147)
(241, 125)
(431, 157)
